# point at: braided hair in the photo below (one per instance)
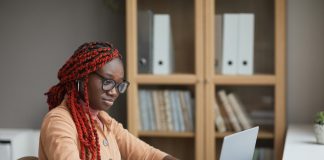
(88, 58)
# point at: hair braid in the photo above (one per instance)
(88, 58)
(92, 121)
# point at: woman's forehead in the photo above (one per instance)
(113, 69)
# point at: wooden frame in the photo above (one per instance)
(193, 79)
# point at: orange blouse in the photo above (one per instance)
(59, 139)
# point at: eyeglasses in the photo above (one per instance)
(109, 84)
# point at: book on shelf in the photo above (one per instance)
(145, 41)
(229, 110)
(185, 111)
(166, 110)
(262, 153)
(189, 104)
(174, 111)
(144, 111)
(162, 44)
(262, 121)
(240, 111)
(234, 43)
(262, 113)
(162, 109)
(262, 117)
(157, 114)
(151, 109)
(181, 123)
(219, 121)
(228, 125)
(231, 114)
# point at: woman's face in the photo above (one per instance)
(98, 98)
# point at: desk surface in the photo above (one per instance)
(301, 143)
(8, 133)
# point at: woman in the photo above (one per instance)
(77, 126)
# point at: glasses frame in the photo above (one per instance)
(116, 85)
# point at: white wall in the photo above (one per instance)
(305, 45)
(36, 38)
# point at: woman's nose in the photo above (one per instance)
(113, 91)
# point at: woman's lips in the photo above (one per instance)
(109, 102)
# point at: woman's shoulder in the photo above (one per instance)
(59, 111)
(58, 121)
(58, 114)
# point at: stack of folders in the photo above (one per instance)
(166, 110)
(155, 47)
(230, 114)
(263, 154)
(263, 117)
(234, 43)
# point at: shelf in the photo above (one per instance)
(165, 134)
(261, 135)
(244, 80)
(174, 79)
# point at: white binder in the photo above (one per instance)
(246, 44)
(230, 44)
(145, 41)
(218, 43)
(162, 44)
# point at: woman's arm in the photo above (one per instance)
(58, 138)
(133, 148)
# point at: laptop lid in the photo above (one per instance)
(240, 145)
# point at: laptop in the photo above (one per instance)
(240, 145)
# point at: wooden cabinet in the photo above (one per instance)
(268, 79)
(193, 24)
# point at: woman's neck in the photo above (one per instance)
(94, 113)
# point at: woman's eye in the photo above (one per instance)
(107, 82)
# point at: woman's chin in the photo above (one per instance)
(107, 105)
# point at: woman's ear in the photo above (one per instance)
(78, 85)
(80, 88)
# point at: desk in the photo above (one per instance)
(301, 143)
(16, 143)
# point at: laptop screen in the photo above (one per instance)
(240, 145)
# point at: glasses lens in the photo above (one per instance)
(122, 87)
(108, 85)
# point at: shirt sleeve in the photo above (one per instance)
(131, 147)
(58, 138)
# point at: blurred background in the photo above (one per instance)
(38, 36)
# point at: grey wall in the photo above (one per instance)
(305, 36)
(36, 38)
